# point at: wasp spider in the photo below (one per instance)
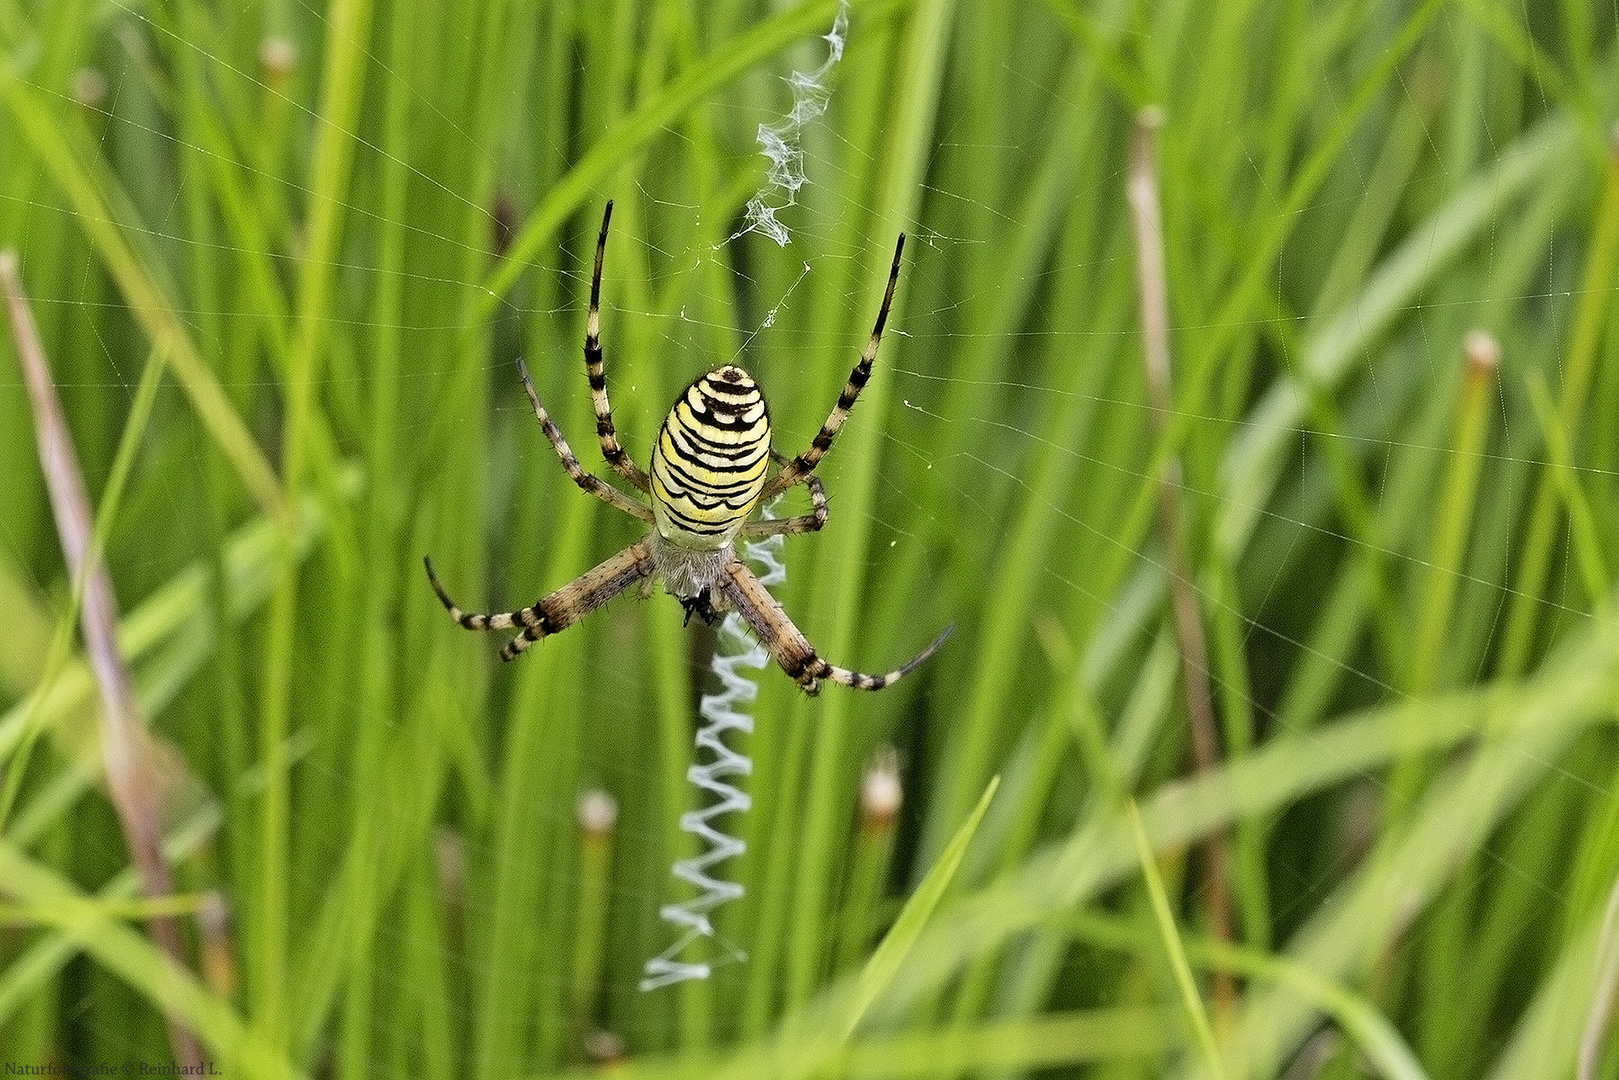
(708, 474)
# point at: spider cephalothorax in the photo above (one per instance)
(708, 475)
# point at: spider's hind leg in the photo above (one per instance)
(504, 620)
(556, 611)
(787, 645)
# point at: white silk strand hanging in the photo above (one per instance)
(724, 712)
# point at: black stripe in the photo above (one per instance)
(709, 504)
(536, 619)
(724, 387)
(728, 395)
(693, 443)
(710, 387)
(692, 525)
(733, 419)
(711, 509)
(718, 509)
(691, 468)
(710, 499)
(753, 434)
(705, 436)
(690, 463)
(727, 400)
(721, 421)
(720, 514)
(735, 460)
(695, 486)
(702, 437)
(724, 463)
(810, 664)
(732, 423)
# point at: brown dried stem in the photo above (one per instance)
(1154, 299)
(124, 748)
(1594, 1034)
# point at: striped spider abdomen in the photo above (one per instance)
(708, 465)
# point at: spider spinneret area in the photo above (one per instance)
(708, 475)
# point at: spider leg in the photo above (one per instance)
(805, 463)
(810, 522)
(604, 491)
(621, 462)
(788, 646)
(559, 610)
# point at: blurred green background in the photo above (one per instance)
(287, 255)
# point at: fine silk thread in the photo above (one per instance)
(723, 712)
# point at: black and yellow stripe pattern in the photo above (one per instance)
(708, 466)
(707, 477)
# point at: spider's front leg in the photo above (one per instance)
(805, 463)
(596, 372)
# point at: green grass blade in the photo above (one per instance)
(1169, 933)
(879, 971)
(126, 952)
